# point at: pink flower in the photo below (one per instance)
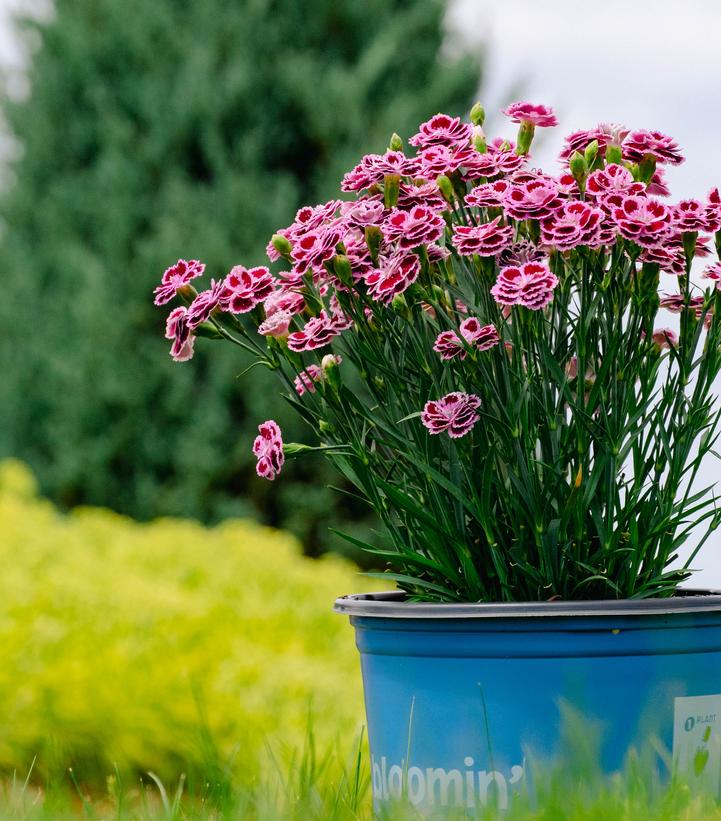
(603, 134)
(713, 272)
(612, 179)
(176, 277)
(676, 303)
(669, 257)
(427, 194)
(443, 159)
(537, 115)
(505, 159)
(646, 222)
(489, 195)
(689, 215)
(373, 168)
(268, 450)
(315, 247)
(530, 285)
(244, 288)
(419, 226)
(204, 304)
(396, 275)
(657, 187)
(177, 329)
(364, 212)
(317, 332)
(576, 223)
(663, 149)
(713, 211)
(486, 240)
(455, 413)
(442, 130)
(284, 300)
(665, 338)
(520, 252)
(276, 325)
(535, 199)
(481, 337)
(305, 381)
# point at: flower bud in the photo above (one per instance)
(342, 269)
(478, 114)
(446, 187)
(391, 187)
(396, 143)
(591, 153)
(647, 168)
(614, 155)
(329, 365)
(579, 168)
(325, 427)
(187, 293)
(400, 306)
(479, 140)
(281, 244)
(373, 237)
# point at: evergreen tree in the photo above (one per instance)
(189, 128)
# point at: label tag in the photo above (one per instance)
(697, 742)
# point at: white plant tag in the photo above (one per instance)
(697, 742)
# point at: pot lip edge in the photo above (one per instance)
(390, 605)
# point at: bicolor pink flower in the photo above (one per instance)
(647, 222)
(314, 248)
(175, 278)
(244, 288)
(306, 379)
(373, 169)
(676, 303)
(205, 303)
(268, 450)
(427, 194)
(613, 179)
(419, 226)
(487, 239)
(658, 187)
(689, 215)
(489, 195)
(276, 325)
(505, 159)
(669, 257)
(603, 134)
(536, 199)
(536, 115)
(713, 211)
(641, 144)
(443, 159)
(455, 413)
(284, 299)
(481, 337)
(519, 253)
(177, 329)
(395, 276)
(530, 285)
(363, 212)
(665, 338)
(575, 223)
(317, 332)
(442, 130)
(436, 253)
(713, 273)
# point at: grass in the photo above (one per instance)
(307, 785)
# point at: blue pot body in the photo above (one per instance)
(456, 707)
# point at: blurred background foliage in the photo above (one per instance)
(136, 646)
(188, 128)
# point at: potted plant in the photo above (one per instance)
(485, 351)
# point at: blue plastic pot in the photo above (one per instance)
(457, 696)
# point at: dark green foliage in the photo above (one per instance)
(186, 128)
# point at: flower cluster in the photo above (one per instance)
(458, 292)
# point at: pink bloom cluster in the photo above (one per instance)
(530, 285)
(268, 450)
(455, 414)
(481, 337)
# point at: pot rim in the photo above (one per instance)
(392, 605)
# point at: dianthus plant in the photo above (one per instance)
(480, 348)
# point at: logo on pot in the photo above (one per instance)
(436, 786)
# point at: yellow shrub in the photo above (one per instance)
(135, 645)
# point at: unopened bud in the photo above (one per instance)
(281, 244)
(400, 306)
(478, 114)
(396, 143)
(579, 168)
(329, 365)
(614, 155)
(342, 269)
(591, 153)
(647, 168)
(325, 427)
(446, 187)
(391, 187)
(187, 293)
(373, 237)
